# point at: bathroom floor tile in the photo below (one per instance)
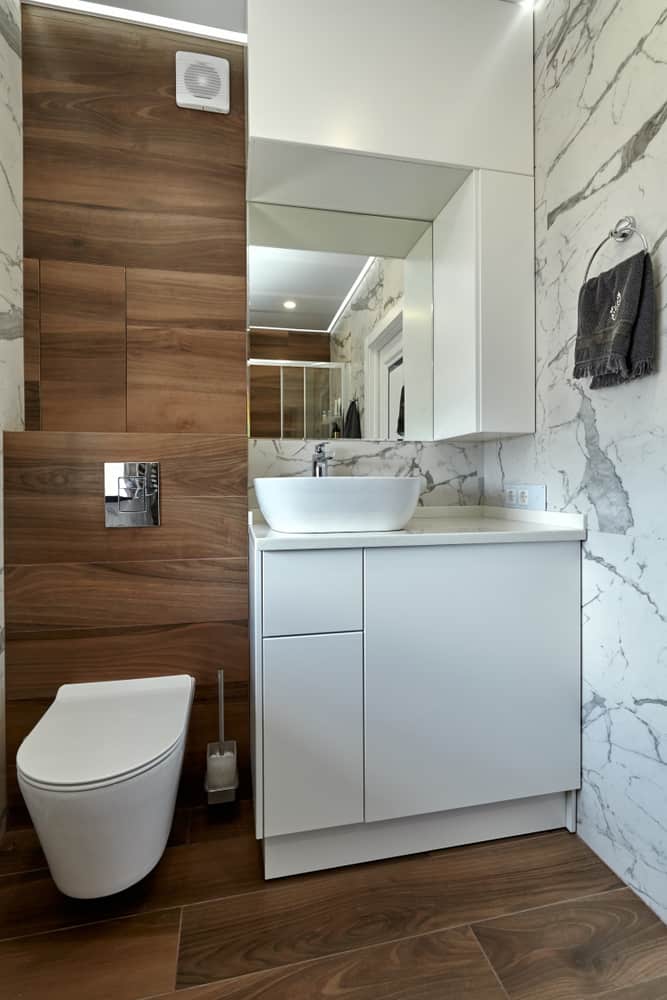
(431, 967)
(30, 902)
(221, 822)
(117, 960)
(588, 948)
(313, 916)
(20, 852)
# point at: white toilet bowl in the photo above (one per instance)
(99, 775)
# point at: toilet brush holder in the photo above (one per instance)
(222, 773)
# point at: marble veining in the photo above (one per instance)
(11, 278)
(380, 291)
(601, 153)
(450, 474)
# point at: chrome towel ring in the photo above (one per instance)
(624, 229)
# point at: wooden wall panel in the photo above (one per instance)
(69, 464)
(264, 383)
(121, 184)
(89, 595)
(82, 346)
(31, 343)
(289, 345)
(115, 172)
(186, 352)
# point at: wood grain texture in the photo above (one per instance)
(30, 902)
(115, 172)
(186, 354)
(82, 318)
(31, 343)
(40, 661)
(289, 345)
(432, 967)
(72, 530)
(303, 919)
(50, 465)
(587, 948)
(90, 595)
(124, 959)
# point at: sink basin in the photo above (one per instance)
(337, 503)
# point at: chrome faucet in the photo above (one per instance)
(320, 461)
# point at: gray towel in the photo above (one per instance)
(616, 329)
(352, 425)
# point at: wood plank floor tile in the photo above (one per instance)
(117, 960)
(20, 852)
(441, 966)
(30, 903)
(311, 917)
(587, 948)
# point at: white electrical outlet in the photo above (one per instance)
(527, 496)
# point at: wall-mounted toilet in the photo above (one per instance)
(99, 774)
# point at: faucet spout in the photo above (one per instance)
(320, 461)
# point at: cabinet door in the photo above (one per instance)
(472, 675)
(313, 732)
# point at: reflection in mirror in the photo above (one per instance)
(340, 339)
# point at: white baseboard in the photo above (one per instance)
(297, 853)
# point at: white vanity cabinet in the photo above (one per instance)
(411, 697)
(472, 686)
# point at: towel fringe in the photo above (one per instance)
(614, 365)
(644, 367)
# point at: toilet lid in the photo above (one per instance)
(105, 730)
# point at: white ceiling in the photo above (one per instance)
(317, 282)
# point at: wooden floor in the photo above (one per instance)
(533, 918)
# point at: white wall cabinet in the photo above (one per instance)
(484, 309)
(443, 81)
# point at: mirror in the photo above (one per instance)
(340, 319)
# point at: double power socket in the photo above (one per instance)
(527, 496)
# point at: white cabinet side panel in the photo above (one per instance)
(255, 636)
(455, 294)
(472, 675)
(313, 733)
(507, 303)
(418, 339)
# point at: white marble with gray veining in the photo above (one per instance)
(450, 474)
(11, 280)
(601, 153)
(380, 291)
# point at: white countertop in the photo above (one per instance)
(436, 526)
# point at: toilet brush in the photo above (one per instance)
(222, 778)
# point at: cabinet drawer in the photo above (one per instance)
(313, 733)
(306, 593)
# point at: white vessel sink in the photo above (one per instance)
(337, 503)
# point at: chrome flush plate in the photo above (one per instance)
(131, 494)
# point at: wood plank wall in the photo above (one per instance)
(135, 349)
(264, 383)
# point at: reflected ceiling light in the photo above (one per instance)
(289, 304)
(139, 17)
(528, 5)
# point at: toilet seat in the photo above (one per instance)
(103, 733)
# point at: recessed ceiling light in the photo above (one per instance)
(289, 304)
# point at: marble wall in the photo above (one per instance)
(11, 284)
(450, 474)
(601, 153)
(380, 291)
